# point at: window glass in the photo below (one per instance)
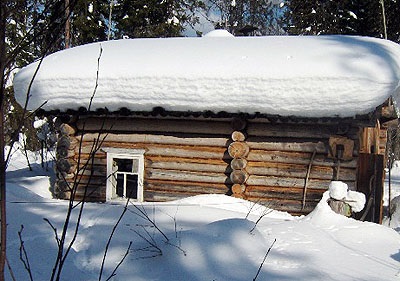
(131, 186)
(123, 165)
(120, 184)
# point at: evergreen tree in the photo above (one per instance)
(321, 17)
(246, 17)
(147, 18)
(354, 17)
(88, 22)
(369, 18)
(392, 9)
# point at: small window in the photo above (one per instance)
(125, 174)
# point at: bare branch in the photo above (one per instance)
(110, 238)
(54, 230)
(143, 214)
(120, 262)
(262, 263)
(23, 255)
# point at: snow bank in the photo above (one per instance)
(338, 190)
(321, 76)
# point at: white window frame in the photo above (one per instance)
(121, 153)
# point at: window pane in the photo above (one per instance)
(131, 186)
(120, 185)
(123, 165)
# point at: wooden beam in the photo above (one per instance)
(158, 139)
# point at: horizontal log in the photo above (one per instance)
(83, 180)
(261, 144)
(189, 166)
(299, 171)
(184, 187)
(100, 157)
(299, 131)
(94, 193)
(156, 158)
(158, 196)
(158, 139)
(295, 158)
(283, 193)
(292, 182)
(180, 126)
(98, 171)
(200, 177)
(293, 207)
(238, 124)
(169, 150)
(189, 152)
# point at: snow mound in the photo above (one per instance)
(356, 200)
(219, 33)
(313, 76)
(338, 190)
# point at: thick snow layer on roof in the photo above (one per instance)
(323, 76)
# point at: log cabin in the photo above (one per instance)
(268, 119)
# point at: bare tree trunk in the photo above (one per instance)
(3, 232)
(384, 18)
(67, 25)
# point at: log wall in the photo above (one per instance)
(286, 166)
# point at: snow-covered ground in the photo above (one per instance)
(210, 237)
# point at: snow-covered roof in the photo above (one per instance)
(310, 76)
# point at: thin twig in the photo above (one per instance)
(259, 219)
(23, 255)
(54, 230)
(10, 270)
(143, 214)
(262, 263)
(251, 208)
(120, 262)
(111, 237)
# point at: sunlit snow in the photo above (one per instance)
(286, 75)
(210, 237)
